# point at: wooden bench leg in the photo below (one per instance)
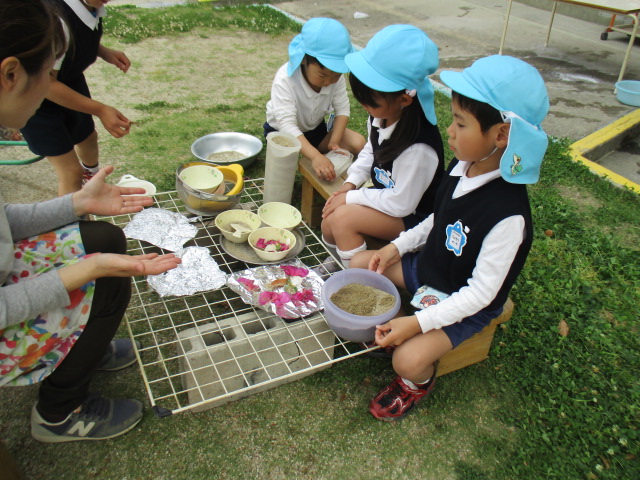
(310, 210)
(476, 348)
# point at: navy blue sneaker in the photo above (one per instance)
(120, 354)
(98, 418)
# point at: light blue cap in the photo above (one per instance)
(517, 90)
(398, 57)
(323, 38)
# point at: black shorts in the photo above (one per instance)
(457, 332)
(314, 136)
(55, 130)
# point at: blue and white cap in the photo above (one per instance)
(323, 38)
(517, 91)
(398, 57)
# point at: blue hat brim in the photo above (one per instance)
(364, 72)
(456, 82)
(334, 64)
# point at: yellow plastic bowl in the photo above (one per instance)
(271, 233)
(225, 219)
(203, 203)
(280, 215)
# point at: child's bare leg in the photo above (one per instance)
(353, 142)
(415, 358)
(350, 223)
(327, 229)
(87, 150)
(69, 172)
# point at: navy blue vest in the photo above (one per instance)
(429, 135)
(447, 260)
(83, 45)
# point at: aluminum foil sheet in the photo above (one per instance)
(290, 290)
(198, 272)
(162, 228)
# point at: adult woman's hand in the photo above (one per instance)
(100, 198)
(115, 265)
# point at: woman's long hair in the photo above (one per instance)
(30, 30)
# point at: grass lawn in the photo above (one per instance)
(558, 398)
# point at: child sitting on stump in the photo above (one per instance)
(466, 256)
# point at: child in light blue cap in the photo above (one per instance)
(461, 262)
(403, 157)
(311, 86)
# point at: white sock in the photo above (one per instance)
(329, 245)
(348, 255)
(410, 384)
(93, 169)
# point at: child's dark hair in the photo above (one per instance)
(30, 30)
(408, 129)
(486, 115)
(311, 59)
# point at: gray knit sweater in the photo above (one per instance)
(28, 298)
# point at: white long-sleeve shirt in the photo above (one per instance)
(295, 108)
(498, 251)
(412, 173)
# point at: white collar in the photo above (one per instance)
(85, 15)
(384, 133)
(467, 184)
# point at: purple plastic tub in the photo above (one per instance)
(356, 328)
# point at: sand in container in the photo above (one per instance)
(281, 164)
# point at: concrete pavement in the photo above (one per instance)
(579, 68)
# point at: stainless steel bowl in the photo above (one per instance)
(246, 144)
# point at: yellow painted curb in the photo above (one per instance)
(604, 135)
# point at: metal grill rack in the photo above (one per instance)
(210, 348)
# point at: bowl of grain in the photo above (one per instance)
(224, 148)
(356, 300)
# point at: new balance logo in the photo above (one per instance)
(82, 428)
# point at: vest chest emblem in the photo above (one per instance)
(456, 238)
(383, 177)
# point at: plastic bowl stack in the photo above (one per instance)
(356, 328)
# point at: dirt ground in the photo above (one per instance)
(208, 67)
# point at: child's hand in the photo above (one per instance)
(323, 168)
(334, 202)
(115, 122)
(346, 187)
(115, 57)
(383, 258)
(397, 330)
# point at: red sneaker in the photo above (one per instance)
(398, 399)
(86, 175)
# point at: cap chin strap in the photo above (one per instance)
(492, 152)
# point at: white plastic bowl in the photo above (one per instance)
(279, 214)
(356, 328)
(225, 219)
(628, 92)
(271, 233)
